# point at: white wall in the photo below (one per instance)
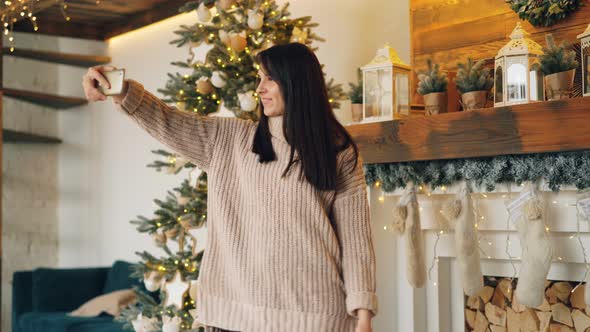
(30, 193)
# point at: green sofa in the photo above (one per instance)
(42, 298)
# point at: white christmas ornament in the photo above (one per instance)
(175, 290)
(152, 280)
(203, 13)
(248, 101)
(255, 19)
(218, 79)
(171, 324)
(144, 324)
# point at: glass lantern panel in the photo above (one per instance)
(536, 81)
(402, 87)
(371, 93)
(386, 89)
(516, 82)
(499, 86)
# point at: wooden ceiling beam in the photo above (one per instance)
(64, 28)
(100, 30)
(157, 13)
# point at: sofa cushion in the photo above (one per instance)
(110, 303)
(119, 277)
(58, 290)
(60, 322)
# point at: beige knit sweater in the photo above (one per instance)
(272, 261)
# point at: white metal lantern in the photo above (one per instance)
(386, 87)
(584, 38)
(517, 78)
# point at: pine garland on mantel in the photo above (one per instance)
(556, 169)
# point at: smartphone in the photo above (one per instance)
(116, 78)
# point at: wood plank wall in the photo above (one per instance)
(448, 31)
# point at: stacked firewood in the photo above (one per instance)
(495, 309)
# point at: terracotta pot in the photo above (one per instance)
(357, 112)
(559, 85)
(436, 102)
(474, 100)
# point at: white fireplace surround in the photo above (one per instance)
(440, 308)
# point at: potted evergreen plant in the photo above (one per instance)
(433, 86)
(559, 67)
(356, 97)
(473, 82)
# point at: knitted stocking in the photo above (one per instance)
(537, 251)
(407, 221)
(460, 212)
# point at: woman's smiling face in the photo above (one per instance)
(270, 95)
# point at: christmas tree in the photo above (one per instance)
(235, 30)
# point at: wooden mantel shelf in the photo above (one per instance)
(551, 126)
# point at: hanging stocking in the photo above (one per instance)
(537, 251)
(459, 211)
(407, 222)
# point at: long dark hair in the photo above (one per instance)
(309, 125)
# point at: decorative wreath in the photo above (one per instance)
(544, 12)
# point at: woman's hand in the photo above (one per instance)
(364, 322)
(93, 75)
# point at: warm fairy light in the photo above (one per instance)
(377, 184)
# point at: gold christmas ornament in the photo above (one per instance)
(226, 4)
(181, 105)
(204, 86)
(298, 36)
(194, 289)
(172, 232)
(224, 37)
(159, 239)
(238, 41)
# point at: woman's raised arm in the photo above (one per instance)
(189, 134)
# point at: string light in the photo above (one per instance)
(507, 247)
(587, 266)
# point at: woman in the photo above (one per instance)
(290, 243)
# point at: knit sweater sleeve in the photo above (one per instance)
(351, 216)
(191, 135)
